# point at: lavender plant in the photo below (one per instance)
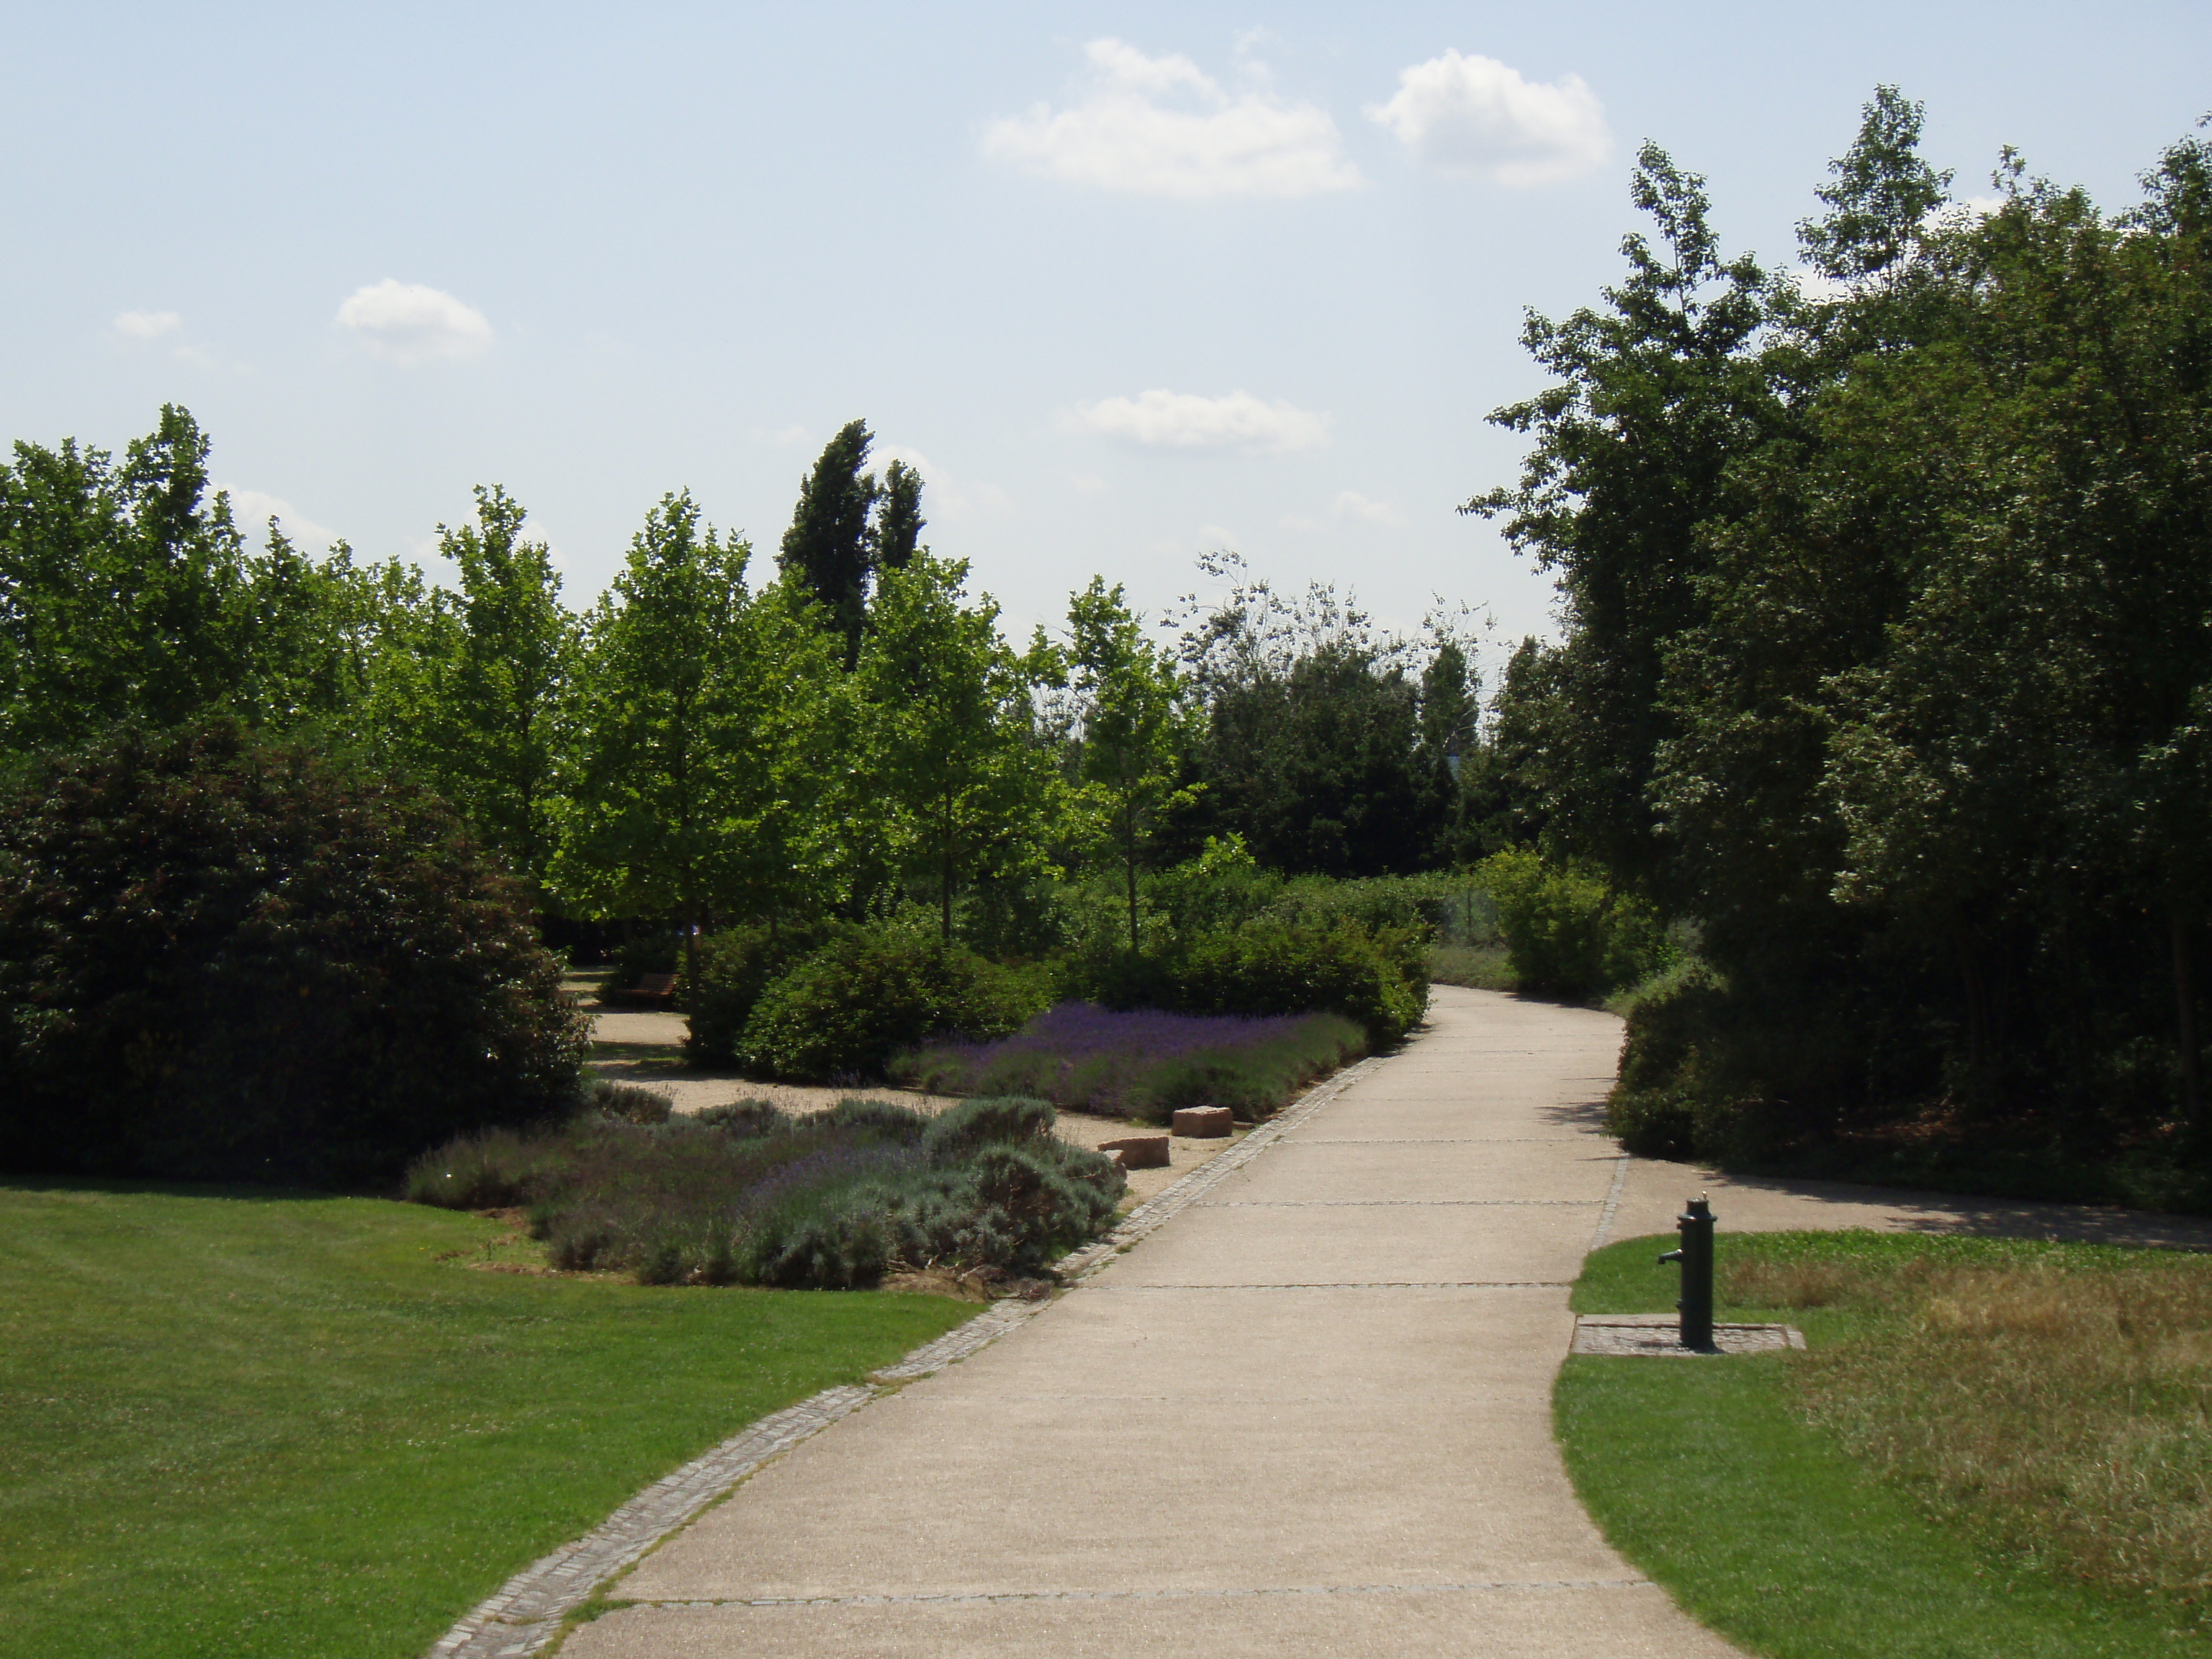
(1143, 1063)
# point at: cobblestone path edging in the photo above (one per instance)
(526, 1615)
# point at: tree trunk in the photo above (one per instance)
(2184, 997)
(944, 870)
(1129, 861)
(1978, 1012)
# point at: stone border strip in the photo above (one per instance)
(525, 1616)
(1612, 1202)
(1657, 1336)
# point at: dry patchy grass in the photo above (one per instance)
(2058, 1400)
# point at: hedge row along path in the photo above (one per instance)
(1309, 1412)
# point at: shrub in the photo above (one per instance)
(1144, 1063)
(744, 1118)
(1006, 1120)
(630, 1102)
(1569, 933)
(844, 1010)
(1653, 1122)
(828, 1201)
(224, 960)
(734, 968)
(1378, 980)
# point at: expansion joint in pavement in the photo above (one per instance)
(940, 1598)
(1370, 1284)
(1391, 1203)
(1445, 1141)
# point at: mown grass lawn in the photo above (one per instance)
(243, 1423)
(1730, 1481)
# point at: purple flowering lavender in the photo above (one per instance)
(1143, 1061)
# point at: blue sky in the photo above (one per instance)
(1127, 282)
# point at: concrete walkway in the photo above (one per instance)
(1309, 1415)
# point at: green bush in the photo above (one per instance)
(1569, 934)
(734, 968)
(842, 1012)
(1653, 1122)
(1379, 980)
(222, 960)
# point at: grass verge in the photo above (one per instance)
(249, 1424)
(1478, 967)
(1781, 1500)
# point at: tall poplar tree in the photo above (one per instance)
(828, 549)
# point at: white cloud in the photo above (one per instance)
(782, 437)
(1475, 115)
(1215, 536)
(1087, 484)
(1161, 126)
(942, 496)
(251, 510)
(1180, 420)
(409, 323)
(1351, 504)
(146, 324)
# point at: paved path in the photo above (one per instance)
(1311, 1415)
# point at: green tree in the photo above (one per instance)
(122, 587)
(952, 745)
(701, 754)
(828, 551)
(1447, 742)
(1655, 394)
(1136, 726)
(494, 742)
(899, 524)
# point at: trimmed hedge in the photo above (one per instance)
(225, 960)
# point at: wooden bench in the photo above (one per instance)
(657, 989)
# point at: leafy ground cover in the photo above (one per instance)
(1992, 1447)
(1143, 1063)
(248, 1423)
(750, 1195)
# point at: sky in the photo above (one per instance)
(1127, 283)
